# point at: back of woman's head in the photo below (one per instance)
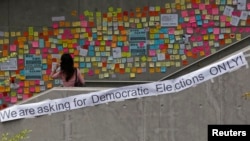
(67, 65)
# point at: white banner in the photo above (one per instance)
(122, 93)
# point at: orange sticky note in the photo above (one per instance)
(26, 83)
(122, 70)
(26, 90)
(139, 70)
(49, 85)
(133, 70)
(45, 77)
(151, 70)
(37, 89)
(158, 69)
(97, 71)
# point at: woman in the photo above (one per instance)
(67, 71)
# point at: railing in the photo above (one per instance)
(225, 51)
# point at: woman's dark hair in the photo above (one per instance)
(67, 66)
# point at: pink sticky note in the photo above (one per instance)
(191, 13)
(37, 82)
(209, 11)
(12, 47)
(1, 95)
(45, 50)
(87, 42)
(13, 99)
(55, 25)
(190, 30)
(44, 56)
(35, 44)
(215, 11)
(90, 72)
(20, 61)
(55, 50)
(162, 46)
(195, 5)
(204, 31)
(141, 44)
(74, 45)
(184, 13)
(192, 38)
(171, 31)
(20, 91)
(81, 17)
(216, 31)
(84, 23)
(205, 43)
(152, 52)
(197, 30)
(88, 29)
(65, 50)
(223, 18)
(125, 49)
(21, 83)
(195, 50)
(7, 98)
(192, 19)
(32, 51)
(248, 6)
(199, 38)
(108, 43)
(32, 89)
(25, 96)
(97, 43)
(48, 72)
(202, 6)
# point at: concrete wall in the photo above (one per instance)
(173, 117)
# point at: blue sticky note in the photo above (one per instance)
(119, 44)
(156, 36)
(198, 17)
(81, 42)
(154, 59)
(163, 30)
(60, 47)
(170, 51)
(82, 64)
(161, 41)
(199, 23)
(22, 72)
(172, 41)
(110, 37)
(166, 35)
(181, 20)
(163, 69)
(98, 59)
(171, 37)
(157, 42)
(103, 53)
(124, 60)
(222, 1)
(91, 53)
(91, 48)
(210, 30)
(41, 43)
(181, 51)
(44, 66)
(94, 35)
(88, 65)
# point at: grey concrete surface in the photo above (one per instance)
(172, 117)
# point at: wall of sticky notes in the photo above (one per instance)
(111, 40)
